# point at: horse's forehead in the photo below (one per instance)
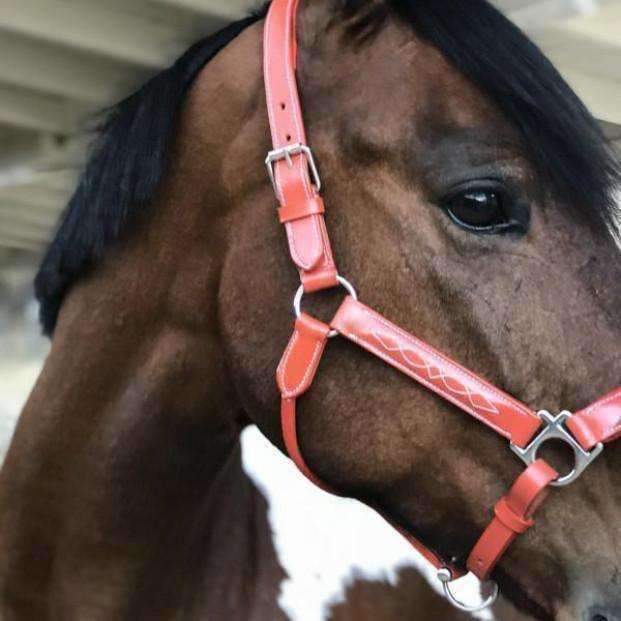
(397, 86)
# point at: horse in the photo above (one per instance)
(470, 195)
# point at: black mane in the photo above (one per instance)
(130, 154)
(127, 162)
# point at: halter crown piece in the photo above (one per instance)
(297, 185)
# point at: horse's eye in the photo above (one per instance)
(483, 210)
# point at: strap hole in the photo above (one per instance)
(283, 106)
(288, 137)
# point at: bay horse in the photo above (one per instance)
(471, 194)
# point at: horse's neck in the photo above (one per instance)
(125, 488)
(229, 568)
(123, 491)
(117, 464)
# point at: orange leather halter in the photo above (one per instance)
(297, 184)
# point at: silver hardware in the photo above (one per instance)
(286, 153)
(299, 294)
(555, 429)
(446, 578)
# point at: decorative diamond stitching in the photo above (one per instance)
(434, 374)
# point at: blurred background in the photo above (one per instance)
(63, 60)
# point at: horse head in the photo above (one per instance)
(469, 197)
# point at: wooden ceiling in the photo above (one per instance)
(64, 59)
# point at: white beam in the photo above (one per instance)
(63, 181)
(592, 69)
(16, 243)
(600, 95)
(536, 15)
(567, 48)
(612, 131)
(10, 228)
(38, 65)
(602, 26)
(29, 109)
(34, 197)
(20, 147)
(230, 10)
(95, 27)
(37, 219)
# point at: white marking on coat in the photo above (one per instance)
(323, 542)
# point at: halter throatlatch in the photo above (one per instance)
(296, 181)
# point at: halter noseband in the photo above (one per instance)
(297, 184)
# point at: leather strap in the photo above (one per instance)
(290, 435)
(301, 210)
(295, 375)
(513, 517)
(302, 213)
(291, 213)
(600, 422)
(300, 361)
(437, 372)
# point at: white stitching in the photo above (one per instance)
(316, 232)
(599, 404)
(491, 408)
(304, 262)
(291, 236)
(407, 370)
(292, 392)
(283, 365)
(270, 104)
(438, 357)
(294, 101)
(325, 243)
(309, 370)
(612, 430)
(290, 228)
(608, 431)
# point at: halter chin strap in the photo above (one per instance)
(296, 182)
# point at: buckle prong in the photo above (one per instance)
(555, 429)
(287, 153)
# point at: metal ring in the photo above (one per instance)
(299, 295)
(555, 429)
(446, 578)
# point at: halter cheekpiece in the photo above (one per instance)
(297, 184)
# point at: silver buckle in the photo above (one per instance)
(556, 430)
(286, 153)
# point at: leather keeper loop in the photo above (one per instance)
(510, 518)
(309, 207)
(301, 359)
(320, 280)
